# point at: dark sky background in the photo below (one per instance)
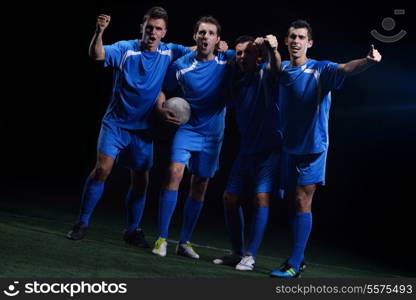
(59, 96)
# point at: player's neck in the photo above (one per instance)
(298, 61)
(204, 57)
(147, 47)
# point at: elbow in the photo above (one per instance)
(96, 55)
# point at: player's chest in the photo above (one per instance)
(301, 88)
(204, 79)
(143, 66)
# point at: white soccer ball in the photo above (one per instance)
(180, 107)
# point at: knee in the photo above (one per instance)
(230, 201)
(303, 203)
(262, 199)
(101, 173)
(200, 184)
(174, 177)
(198, 188)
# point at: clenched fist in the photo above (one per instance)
(102, 22)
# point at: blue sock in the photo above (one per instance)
(303, 225)
(260, 218)
(293, 226)
(92, 192)
(191, 212)
(134, 207)
(234, 221)
(167, 205)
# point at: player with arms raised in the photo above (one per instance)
(305, 87)
(139, 67)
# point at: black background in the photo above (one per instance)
(58, 97)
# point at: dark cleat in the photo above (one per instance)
(228, 260)
(302, 266)
(78, 232)
(285, 271)
(136, 238)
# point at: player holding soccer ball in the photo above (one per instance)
(201, 76)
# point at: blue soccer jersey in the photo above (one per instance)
(257, 112)
(305, 100)
(203, 84)
(137, 81)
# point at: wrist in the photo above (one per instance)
(369, 61)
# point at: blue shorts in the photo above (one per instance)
(133, 149)
(303, 169)
(254, 173)
(198, 152)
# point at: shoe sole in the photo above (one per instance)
(244, 269)
(274, 276)
(69, 237)
(218, 262)
(159, 254)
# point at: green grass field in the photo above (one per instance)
(33, 245)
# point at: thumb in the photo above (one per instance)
(371, 52)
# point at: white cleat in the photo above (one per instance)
(160, 247)
(246, 264)
(185, 249)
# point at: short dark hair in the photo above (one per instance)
(243, 39)
(302, 24)
(210, 20)
(156, 12)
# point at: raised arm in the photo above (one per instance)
(96, 50)
(359, 65)
(269, 45)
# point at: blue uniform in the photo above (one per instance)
(257, 116)
(305, 100)
(137, 81)
(203, 84)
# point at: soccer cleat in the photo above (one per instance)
(228, 260)
(160, 247)
(246, 264)
(78, 232)
(285, 271)
(302, 266)
(136, 238)
(185, 249)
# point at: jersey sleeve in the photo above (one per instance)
(178, 51)
(114, 54)
(230, 54)
(331, 79)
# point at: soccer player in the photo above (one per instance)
(254, 170)
(305, 97)
(201, 76)
(139, 67)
